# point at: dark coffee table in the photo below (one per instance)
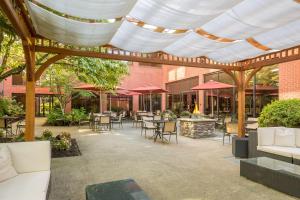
(126, 189)
(279, 175)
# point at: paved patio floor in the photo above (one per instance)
(200, 169)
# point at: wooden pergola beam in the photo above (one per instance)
(155, 58)
(15, 17)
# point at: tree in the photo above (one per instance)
(61, 77)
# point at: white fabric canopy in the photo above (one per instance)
(179, 14)
(137, 39)
(194, 45)
(91, 9)
(273, 23)
(238, 51)
(69, 31)
(282, 37)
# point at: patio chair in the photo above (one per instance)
(104, 121)
(7, 127)
(88, 121)
(118, 121)
(169, 129)
(157, 117)
(231, 129)
(136, 120)
(20, 126)
(146, 125)
(222, 122)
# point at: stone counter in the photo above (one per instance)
(197, 128)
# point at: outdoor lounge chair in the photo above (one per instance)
(147, 125)
(169, 129)
(231, 128)
(119, 121)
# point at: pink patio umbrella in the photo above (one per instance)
(149, 90)
(212, 85)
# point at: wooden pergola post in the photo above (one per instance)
(30, 90)
(241, 87)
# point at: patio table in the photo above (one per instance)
(126, 189)
(158, 126)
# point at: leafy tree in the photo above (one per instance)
(267, 76)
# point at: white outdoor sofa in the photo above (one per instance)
(279, 143)
(32, 163)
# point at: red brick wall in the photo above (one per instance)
(143, 75)
(289, 80)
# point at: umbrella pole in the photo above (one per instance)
(212, 103)
(110, 102)
(100, 102)
(150, 102)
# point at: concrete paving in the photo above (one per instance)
(201, 169)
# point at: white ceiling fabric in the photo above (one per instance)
(194, 45)
(252, 17)
(235, 52)
(91, 9)
(137, 39)
(179, 14)
(282, 37)
(273, 23)
(69, 31)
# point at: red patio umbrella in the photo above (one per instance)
(212, 85)
(149, 90)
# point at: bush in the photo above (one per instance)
(47, 135)
(62, 141)
(56, 117)
(185, 114)
(168, 114)
(281, 113)
(77, 115)
(10, 107)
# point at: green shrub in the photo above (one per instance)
(77, 115)
(10, 107)
(62, 141)
(56, 117)
(47, 135)
(185, 114)
(168, 114)
(281, 113)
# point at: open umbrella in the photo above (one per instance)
(212, 85)
(149, 90)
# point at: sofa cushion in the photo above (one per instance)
(281, 151)
(27, 186)
(265, 136)
(7, 170)
(30, 156)
(297, 134)
(285, 137)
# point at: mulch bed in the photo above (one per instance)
(5, 140)
(73, 151)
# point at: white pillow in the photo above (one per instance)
(266, 136)
(297, 134)
(7, 170)
(285, 137)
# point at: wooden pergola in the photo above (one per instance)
(32, 43)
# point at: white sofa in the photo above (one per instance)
(32, 163)
(279, 142)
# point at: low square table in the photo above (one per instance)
(279, 175)
(126, 189)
